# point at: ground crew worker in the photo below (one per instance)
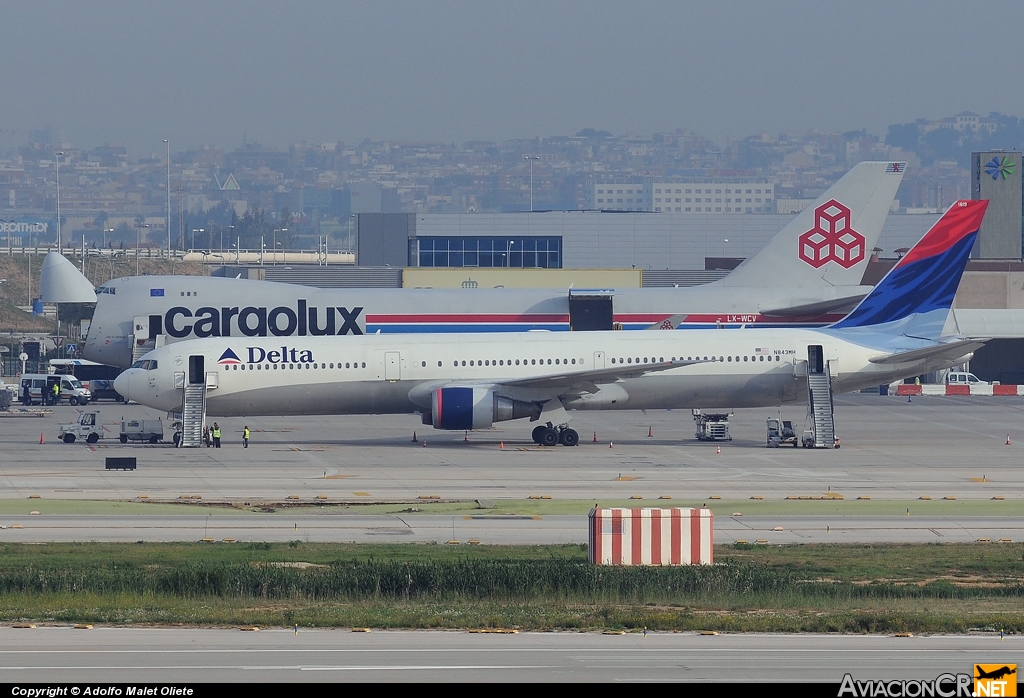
(56, 393)
(206, 437)
(216, 435)
(245, 436)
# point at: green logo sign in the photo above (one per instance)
(999, 167)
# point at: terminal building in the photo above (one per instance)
(649, 241)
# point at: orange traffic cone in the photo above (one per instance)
(466, 437)
(719, 451)
(42, 439)
(595, 437)
(1008, 440)
(414, 437)
(650, 432)
(501, 445)
(611, 445)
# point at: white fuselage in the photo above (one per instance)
(376, 374)
(199, 307)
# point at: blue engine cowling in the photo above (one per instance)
(475, 408)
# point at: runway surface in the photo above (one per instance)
(61, 654)
(892, 450)
(489, 530)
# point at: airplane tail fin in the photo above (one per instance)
(916, 295)
(60, 282)
(829, 242)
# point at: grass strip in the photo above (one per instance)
(821, 588)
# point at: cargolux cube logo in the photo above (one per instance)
(832, 239)
(228, 358)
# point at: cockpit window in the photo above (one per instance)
(145, 364)
(106, 289)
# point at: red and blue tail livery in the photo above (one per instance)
(925, 280)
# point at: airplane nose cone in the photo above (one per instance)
(122, 384)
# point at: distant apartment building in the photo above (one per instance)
(705, 195)
(618, 195)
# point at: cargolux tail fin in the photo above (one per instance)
(914, 298)
(828, 243)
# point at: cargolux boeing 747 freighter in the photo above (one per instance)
(808, 274)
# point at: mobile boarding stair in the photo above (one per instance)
(820, 410)
(195, 385)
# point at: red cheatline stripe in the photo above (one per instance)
(734, 318)
(467, 317)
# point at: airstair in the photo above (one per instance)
(193, 415)
(193, 405)
(819, 399)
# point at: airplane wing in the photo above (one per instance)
(569, 379)
(835, 305)
(950, 350)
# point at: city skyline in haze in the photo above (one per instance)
(208, 73)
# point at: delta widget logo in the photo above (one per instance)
(228, 358)
(999, 167)
(832, 239)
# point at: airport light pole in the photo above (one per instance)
(59, 155)
(168, 144)
(276, 231)
(194, 231)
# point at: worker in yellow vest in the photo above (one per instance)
(215, 433)
(245, 436)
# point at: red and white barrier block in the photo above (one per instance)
(940, 389)
(676, 536)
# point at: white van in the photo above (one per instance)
(33, 386)
(962, 378)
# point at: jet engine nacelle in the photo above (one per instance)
(475, 408)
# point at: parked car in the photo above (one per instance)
(34, 385)
(963, 378)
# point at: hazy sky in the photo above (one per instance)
(206, 72)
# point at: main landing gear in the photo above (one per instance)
(546, 435)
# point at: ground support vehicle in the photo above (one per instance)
(87, 427)
(151, 430)
(712, 426)
(780, 433)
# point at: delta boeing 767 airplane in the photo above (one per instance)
(469, 381)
